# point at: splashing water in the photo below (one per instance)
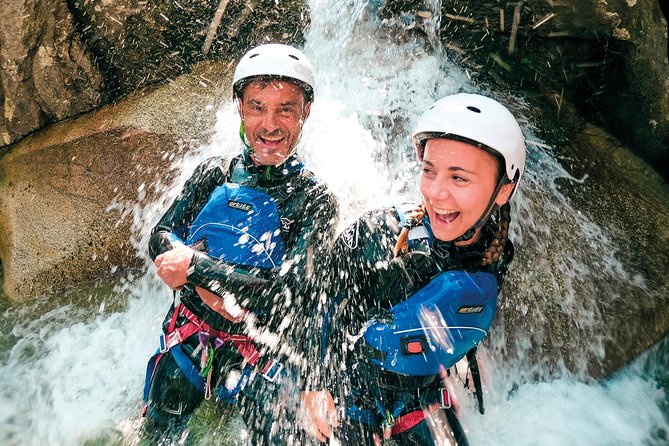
(72, 370)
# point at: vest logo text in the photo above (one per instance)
(240, 206)
(470, 309)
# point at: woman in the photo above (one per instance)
(416, 291)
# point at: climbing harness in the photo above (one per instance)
(403, 415)
(210, 340)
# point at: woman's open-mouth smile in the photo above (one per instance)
(445, 216)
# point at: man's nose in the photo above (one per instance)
(270, 121)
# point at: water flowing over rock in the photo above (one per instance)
(589, 290)
(585, 65)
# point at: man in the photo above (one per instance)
(241, 244)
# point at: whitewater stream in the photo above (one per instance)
(72, 368)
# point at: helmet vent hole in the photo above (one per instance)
(294, 57)
(253, 55)
(474, 109)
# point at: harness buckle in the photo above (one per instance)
(163, 344)
(170, 340)
(445, 398)
(271, 370)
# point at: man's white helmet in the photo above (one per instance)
(478, 120)
(275, 60)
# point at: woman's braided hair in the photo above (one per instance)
(498, 243)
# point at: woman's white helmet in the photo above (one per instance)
(479, 120)
(278, 60)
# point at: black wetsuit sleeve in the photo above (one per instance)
(303, 267)
(360, 252)
(219, 276)
(172, 228)
(305, 280)
(364, 262)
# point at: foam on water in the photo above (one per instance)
(623, 411)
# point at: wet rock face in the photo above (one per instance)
(597, 293)
(60, 58)
(137, 43)
(66, 191)
(45, 74)
(608, 58)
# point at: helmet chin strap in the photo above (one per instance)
(490, 208)
(242, 136)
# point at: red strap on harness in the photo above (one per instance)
(411, 419)
(176, 335)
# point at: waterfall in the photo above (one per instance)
(72, 369)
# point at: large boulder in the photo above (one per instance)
(57, 185)
(590, 269)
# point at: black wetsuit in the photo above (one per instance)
(308, 214)
(369, 282)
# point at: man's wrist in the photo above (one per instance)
(191, 265)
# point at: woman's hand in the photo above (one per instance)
(318, 414)
(173, 265)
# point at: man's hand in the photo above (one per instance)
(173, 265)
(318, 414)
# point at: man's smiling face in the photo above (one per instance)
(273, 113)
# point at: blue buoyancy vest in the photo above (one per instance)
(239, 225)
(435, 327)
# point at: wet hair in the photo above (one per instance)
(240, 86)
